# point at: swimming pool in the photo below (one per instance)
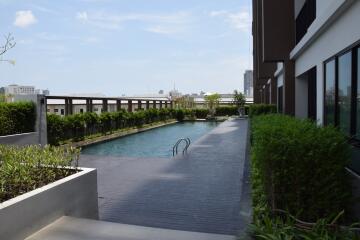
(152, 143)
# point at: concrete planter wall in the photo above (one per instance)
(75, 195)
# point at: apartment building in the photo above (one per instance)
(19, 90)
(248, 83)
(307, 62)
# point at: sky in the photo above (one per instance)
(130, 47)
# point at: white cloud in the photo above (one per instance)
(240, 20)
(24, 18)
(163, 24)
(160, 30)
(218, 13)
(82, 16)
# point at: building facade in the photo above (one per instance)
(248, 84)
(19, 90)
(307, 62)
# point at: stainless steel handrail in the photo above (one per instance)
(176, 146)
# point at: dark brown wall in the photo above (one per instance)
(262, 71)
(278, 29)
(274, 38)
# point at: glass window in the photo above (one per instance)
(330, 92)
(358, 96)
(344, 92)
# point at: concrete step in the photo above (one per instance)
(69, 228)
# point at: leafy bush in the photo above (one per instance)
(56, 127)
(15, 118)
(300, 166)
(77, 126)
(105, 121)
(180, 114)
(226, 111)
(23, 169)
(281, 228)
(201, 113)
(260, 109)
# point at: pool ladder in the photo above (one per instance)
(176, 146)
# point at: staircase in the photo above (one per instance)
(71, 228)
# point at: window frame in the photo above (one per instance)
(353, 49)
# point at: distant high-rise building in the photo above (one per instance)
(46, 92)
(248, 83)
(19, 90)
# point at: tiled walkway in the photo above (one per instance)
(204, 191)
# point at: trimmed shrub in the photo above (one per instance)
(15, 118)
(299, 166)
(201, 112)
(260, 109)
(226, 111)
(105, 121)
(77, 126)
(180, 114)
(55, 129)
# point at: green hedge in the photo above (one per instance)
(76, 127)
(230, 110)
(260, 109)
(226, 111)
(15, 118)
(201, 112)
(299, 167)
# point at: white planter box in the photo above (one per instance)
(75, 195)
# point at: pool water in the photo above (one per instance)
(152, 143)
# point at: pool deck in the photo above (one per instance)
(206, 190)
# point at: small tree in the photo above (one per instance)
(212, 101)
(239, 101)
(9, 44)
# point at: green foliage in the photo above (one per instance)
(201, 113)
(56, 129)
(283, 228)
(301, 166)
(212, 100)
(180, 114)
(260, 109)
(76, 127)
(23, 169)
(239, 98)
(15, 118)
(226, 111)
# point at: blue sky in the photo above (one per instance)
(128, 47)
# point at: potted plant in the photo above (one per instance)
(212, 101)
(38, 185)
(239, 101)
